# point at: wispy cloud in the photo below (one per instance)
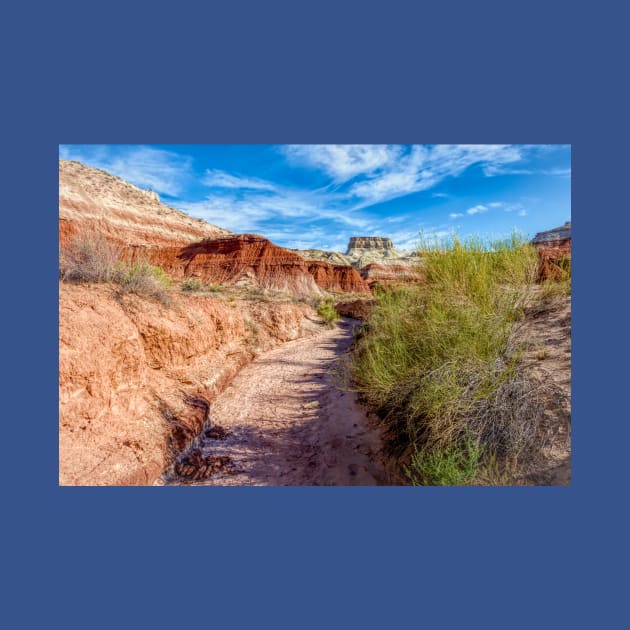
(223, 179)
(162, 171)
(478, 209)
(492, 170)
(343, 161)
(391, 171)
(349, 183)
(258, 205)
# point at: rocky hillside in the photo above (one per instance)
(93, 203)
(93, 200)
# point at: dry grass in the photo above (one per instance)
(87, 259)
(91, 258)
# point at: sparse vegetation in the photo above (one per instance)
(327, 312)
(253, 338)
(93, 259)
(87, 259)
(142, 279)
(192, 285)
(437, 362)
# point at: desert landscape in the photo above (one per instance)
(190, 354)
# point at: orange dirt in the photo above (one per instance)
(135, 376)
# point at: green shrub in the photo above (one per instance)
(434, 358)
(453, 466)
(191, 285)
(327, 312)
(142, 279)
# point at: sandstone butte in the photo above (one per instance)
(374, 257)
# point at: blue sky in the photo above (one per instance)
(317, 196)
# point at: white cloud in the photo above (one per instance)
(456, 215)
(222, 179)
(390, 171)
(496, 204)
(492, 170)
(343, 161)
(161, 171)
(478, 209)
(522, 213)
(249, 211)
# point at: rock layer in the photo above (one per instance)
(369, 242)
(337, 278)
(91, 200)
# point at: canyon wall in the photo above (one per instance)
(337, 278)
(137, 379)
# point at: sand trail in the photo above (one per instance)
(289, 421)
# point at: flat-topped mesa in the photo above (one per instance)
(369, 242)
(557, 237)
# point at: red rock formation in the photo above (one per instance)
(246, 258)
(91, 200)
(554, 252)
(93, 204)
(389, 274)
(337, 278)
(135, 377)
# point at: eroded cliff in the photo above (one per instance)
(136, 378)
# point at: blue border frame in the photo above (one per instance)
(280, 72)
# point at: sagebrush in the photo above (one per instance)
(436, 362)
